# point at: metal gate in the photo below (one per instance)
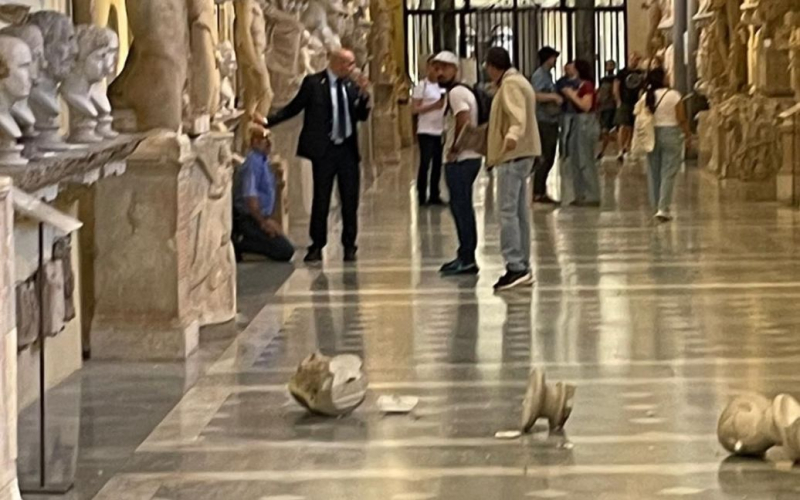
(520, 26)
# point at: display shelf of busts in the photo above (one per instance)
(47, 175)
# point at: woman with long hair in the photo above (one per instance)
(672, 133)
(583, 137)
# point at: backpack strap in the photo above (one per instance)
(662, 99)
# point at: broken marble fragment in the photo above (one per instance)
(542, 401)
(329, 386)
(750, 425)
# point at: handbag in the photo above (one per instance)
(644, 130)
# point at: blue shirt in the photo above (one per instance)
(572, 83)
(348, 127)
(542, 81)
(255, 180)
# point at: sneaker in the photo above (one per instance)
(513, 279)
(458, 267)
(662, 216)
(437, 202)
(543, 198)
(313, 256)
(350, 254)
(449, 266)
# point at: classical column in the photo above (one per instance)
(9, 490)
(678, 32)
(585, 32)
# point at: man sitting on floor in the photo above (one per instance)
(254, 228)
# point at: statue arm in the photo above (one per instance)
(296, 105)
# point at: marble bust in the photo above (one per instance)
(98, 90)
(32, 36)
(15, 86)
(226, 57)
(60, 49)
(89, 69)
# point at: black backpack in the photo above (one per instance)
(484, 100)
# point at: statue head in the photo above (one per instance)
(60, 47)
(744, 425)
(32, 36)
(226, 56)
(15, 69)
(94, 45)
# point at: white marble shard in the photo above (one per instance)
(547, 494)
(680, 491)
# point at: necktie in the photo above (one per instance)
(341, 109)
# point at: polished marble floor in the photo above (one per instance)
(657, 325)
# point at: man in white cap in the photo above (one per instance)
(461, 166)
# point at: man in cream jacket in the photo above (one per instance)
(513, 145)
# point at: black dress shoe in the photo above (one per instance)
(350, 254)
(314, 255)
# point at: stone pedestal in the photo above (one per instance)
(9, 490)
(788, 181)
(165, 263)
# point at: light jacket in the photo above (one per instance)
(513, 116)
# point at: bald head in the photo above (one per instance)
(342, 62)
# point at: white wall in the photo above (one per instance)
(63, 352)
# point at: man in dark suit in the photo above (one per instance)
(333, 104)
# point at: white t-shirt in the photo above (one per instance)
(460, 99)
(665, 115)
(432, 122)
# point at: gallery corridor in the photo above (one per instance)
(657, 325)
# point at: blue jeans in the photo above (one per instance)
(460, 176)
(582, 142)
(515, 221)
(664, 163)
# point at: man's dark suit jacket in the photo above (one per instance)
(314, 97)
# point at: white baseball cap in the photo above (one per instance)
(447, 57)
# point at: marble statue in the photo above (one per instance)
(667, 9)
(767, 44)
(15, 86)
(250, 42)
(60, 51)
(32, 36)
(105, 121)
(793, 23)
(148, 94)
(287, 56)
(751, 425)
(204, 77)
(553, 402)
(226, 58)
(316, 20)
(722, 54)
(89, 69)
(329, 386)
(655, 38)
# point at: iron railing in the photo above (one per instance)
(521, 26)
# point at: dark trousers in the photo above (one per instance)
(340, 164)
(548, 134)
(460, 176)
(430, 155)
(248, 237)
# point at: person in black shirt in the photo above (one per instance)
(627, 89)
(607, 105)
